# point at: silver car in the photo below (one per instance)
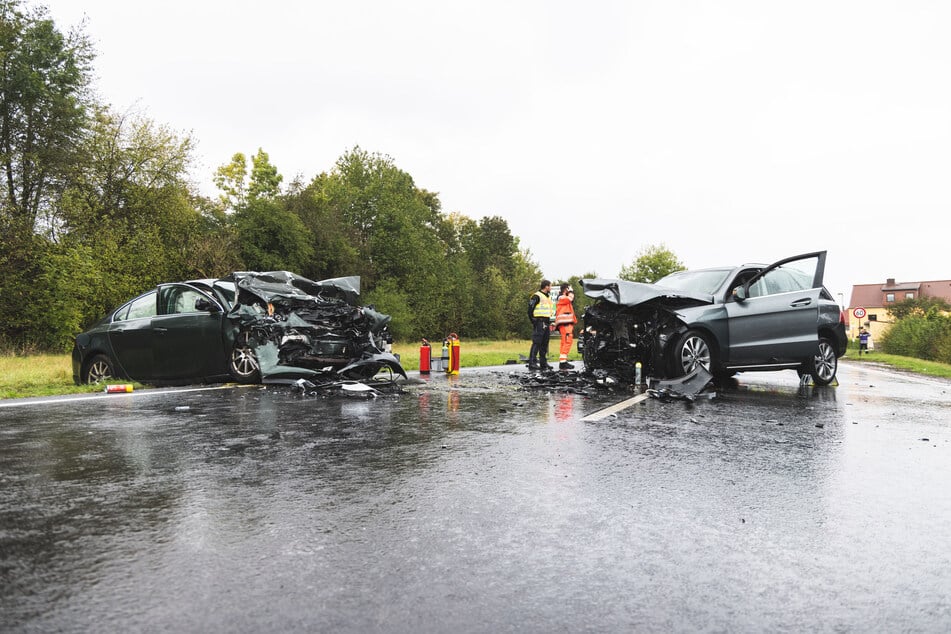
(744, 318)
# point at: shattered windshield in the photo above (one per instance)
(227, 291)
(706, 281)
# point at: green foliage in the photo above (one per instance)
(265, 181)
(230, 179)
(271, 238)
(98, 206)
(920, 306)
(522, 283)
(69, 290)
(925, 336)
(44, 76)
(21, 263)
(652, 263)
(389, 299)
(127, 208)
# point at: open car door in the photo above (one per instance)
(774, 315)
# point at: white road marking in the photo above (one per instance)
(614, 409)
(55, 400)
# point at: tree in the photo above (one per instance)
(368, 218)
(129, 207)
(237, 189)
(489, 243)
(44, 80)
(271, 238)
(230, 179)
(652, 263)
(920, 306)
(333, 241)
(265, 181)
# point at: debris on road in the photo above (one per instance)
(688, 387)
(370, 388)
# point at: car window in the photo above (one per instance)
(176, 300)
(797, 275)
(784, 280)
(225, 290)
(138, 308)
(122, 313)
(759, 288)
(741, 279)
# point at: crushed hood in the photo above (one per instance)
(624, 293)
(299, 328)
(286, 285)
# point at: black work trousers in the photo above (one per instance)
(541, 333)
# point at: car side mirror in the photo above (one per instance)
(205, 305)
(739, 293)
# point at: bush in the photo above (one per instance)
(920, 336)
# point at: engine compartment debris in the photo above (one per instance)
(293, 327)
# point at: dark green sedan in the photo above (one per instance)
(248, 327)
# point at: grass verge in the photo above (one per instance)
(474, 354)
(910, 364)
(52, 374)
(39, 375)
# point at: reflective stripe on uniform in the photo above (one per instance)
(545, 308)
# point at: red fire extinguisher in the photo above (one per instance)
(425, 357)
(454, 359)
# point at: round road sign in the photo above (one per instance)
(858, 312)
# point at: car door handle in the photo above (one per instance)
(160, 331)
(801, 302)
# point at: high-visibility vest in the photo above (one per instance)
(565, 313)
(544, 309)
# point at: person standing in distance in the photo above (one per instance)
(540, 311)
(863, 341)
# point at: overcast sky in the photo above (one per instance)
(731, 131)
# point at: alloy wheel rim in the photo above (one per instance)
(244, 362)
(695, 353)
(98, 372)
(825, 362)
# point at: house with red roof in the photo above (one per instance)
(868, 306)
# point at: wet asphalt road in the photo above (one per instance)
(470, 505)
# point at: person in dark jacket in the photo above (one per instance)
(540, 311)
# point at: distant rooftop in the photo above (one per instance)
(872, 295)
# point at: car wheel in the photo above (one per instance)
(823, 366)
(244, 366)
(692, 350)
(98, 369)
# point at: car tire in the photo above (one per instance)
(692, 349)
(243, 365)
(824, 365)
(98, 369)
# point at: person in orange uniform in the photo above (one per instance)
(565, 321)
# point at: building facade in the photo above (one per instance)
(875, 299)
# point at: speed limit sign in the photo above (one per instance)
(858, 312)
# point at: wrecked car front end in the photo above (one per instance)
(627, 330)
(287, 327)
